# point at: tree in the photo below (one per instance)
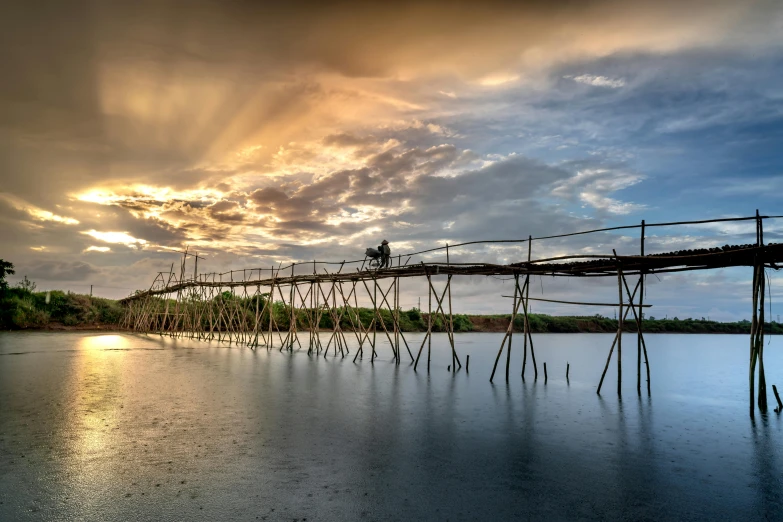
(6, 268)
(26, 285)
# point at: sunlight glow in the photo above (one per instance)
(498, 79)
(115, 237)
(45, 215)
(104, 342)
(97, 249)
(37, 213)
(141, 193)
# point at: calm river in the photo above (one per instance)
(108, 427)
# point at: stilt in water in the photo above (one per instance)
(619, 328)
(777, 398)
(509, 329)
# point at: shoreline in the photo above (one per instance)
(59, 328)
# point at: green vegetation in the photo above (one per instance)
(540, 323)
(22, 307)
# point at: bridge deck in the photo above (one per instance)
(562, 266)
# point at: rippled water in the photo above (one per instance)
(121, 427)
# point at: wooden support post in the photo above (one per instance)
(638, 318)
(762, 396)
(396, 315)
(777, 398)
(271, 301)
(509, 329)
(312, 314)
(454, 358)
(616, 336)
(568, 368)
(757, 326)
(429, 323)
(619, 328)
(375, 310)
(292, 324)
(639, 325)
(428, 334)
(528, 335)
(257, 299)
(753, 353)
(545, 375)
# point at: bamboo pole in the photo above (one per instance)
(611, 350)
(396, 318)
(754, 324)
(509, 329)
(454, 358)
(762, 396)
(638, 319)
(271, 300)
(429, 328)
(639, 328)
(619, 328)
(377, 314)
(293, 312)
(527, 334)
(429, 323)
(439, 308)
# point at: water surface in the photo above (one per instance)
(97, 426)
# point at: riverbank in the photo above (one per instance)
(23, 309)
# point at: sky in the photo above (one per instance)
(264, 133)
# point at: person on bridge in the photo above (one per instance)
(385, 254)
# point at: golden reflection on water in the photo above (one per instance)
(97, 379)
(104, 342)
(95, 390)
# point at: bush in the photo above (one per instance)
(413, 315)
(25, 314)
(462, 323)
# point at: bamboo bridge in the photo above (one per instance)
(261, 300)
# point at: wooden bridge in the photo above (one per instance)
(252, 306)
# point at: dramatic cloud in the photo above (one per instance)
(258, 133)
